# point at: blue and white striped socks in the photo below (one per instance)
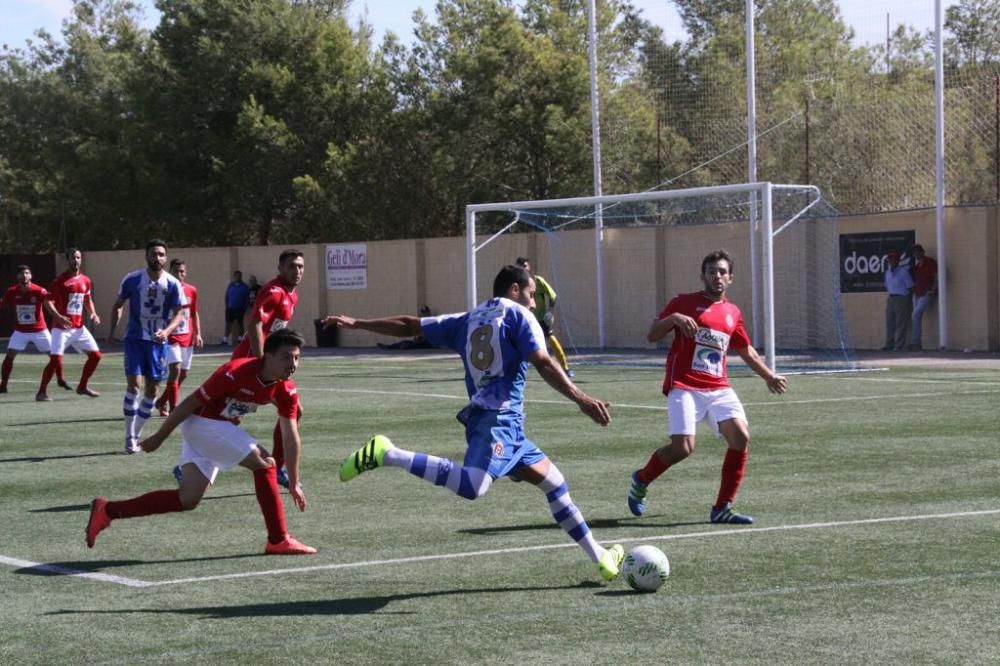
(466, 482)
(565, 513)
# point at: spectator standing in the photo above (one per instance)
(899, 304)
(925, 272)
(237, 302)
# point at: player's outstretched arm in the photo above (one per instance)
(775, 383)
(399, 326)
(554, 376)
(187, 407)
(293, 454)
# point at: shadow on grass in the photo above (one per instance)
(600, 524)
(68, 508)
(68, 422)
(38, 459)
(355, 606)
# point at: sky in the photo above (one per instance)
(19, 19)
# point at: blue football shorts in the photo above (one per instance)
(146, 358)
(496, 442)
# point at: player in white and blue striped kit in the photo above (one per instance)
(496, 341)
(155, 308)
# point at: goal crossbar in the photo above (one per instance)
(764, 190)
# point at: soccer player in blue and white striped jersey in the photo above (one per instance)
(496, 341)
(155, 308)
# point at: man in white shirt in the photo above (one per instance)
(899, 305)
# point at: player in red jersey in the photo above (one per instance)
(705, 326)
(213, 442)
(27, 299)
(181, 343)
(70, 297)
(271, 310)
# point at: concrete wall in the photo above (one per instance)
(643, 269)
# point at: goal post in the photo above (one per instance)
(653, 237)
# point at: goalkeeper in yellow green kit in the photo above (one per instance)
(545, 301)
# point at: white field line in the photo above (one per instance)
(777, 402)
(130, 582)
(57, 570)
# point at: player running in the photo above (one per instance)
(212, 442)
(70, 295)
(27, 299)
(155, 309)
(496, 341)
(181, 343)
(705, 327)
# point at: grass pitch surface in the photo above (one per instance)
(876, 498)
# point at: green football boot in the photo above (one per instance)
(611, 561)
(367, 457)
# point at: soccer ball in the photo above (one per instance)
(646, 568)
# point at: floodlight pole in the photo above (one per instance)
(942, 256)
(595, 131)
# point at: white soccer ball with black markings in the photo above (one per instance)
(645, 568)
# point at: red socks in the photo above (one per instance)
(8, 365)
(733, 468)
(54, 366)
(93, 358)
(654, 468)
(265, 483)
(158, 501)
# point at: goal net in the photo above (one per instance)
(615, 261)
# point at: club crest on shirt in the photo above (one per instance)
(729, 320)
(497, 449)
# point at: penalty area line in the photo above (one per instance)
(527, 549)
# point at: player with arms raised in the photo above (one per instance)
(213, 443)
(70, 295)
(706, 326)
(496, 341)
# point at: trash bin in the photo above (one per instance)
(326, 337)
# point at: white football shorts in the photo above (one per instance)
(182, 355)
(213, 445)
(79, 338)
(686, 408)
(41, 339)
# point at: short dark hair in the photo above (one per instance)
(508, 276)
(521, 261)
(240, 273)
(174, 263)
(22, 267)
(156, 242)
(285, 337)
(714, 257)
(289, 254)
(71, 251)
